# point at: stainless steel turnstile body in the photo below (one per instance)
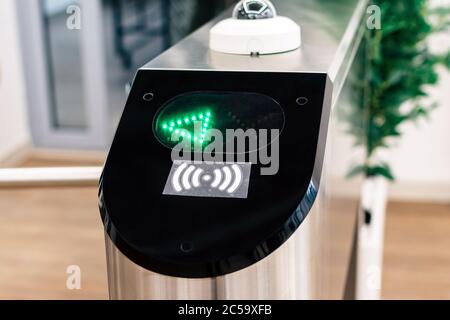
(315, 263)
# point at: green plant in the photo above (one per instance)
(398, 67)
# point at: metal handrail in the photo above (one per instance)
(49, 177)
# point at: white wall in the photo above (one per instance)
(420, 159)
(14, 131)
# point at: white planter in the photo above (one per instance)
(371, 239)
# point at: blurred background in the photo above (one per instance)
(62, 91)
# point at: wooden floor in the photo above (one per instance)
(417, 252)
(44, 231)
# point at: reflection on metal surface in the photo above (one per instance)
(329, 32)
(286, 274)
(128, 281)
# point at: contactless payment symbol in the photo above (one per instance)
(200, 179)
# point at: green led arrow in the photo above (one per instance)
(184, 124)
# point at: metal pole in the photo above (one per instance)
(49, 177)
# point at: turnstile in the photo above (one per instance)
(280, 236)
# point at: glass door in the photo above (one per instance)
(62, 44)
(79, 56)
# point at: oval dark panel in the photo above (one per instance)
(190, 116)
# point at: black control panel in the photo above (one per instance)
(192, 235)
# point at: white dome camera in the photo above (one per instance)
(255, 28)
